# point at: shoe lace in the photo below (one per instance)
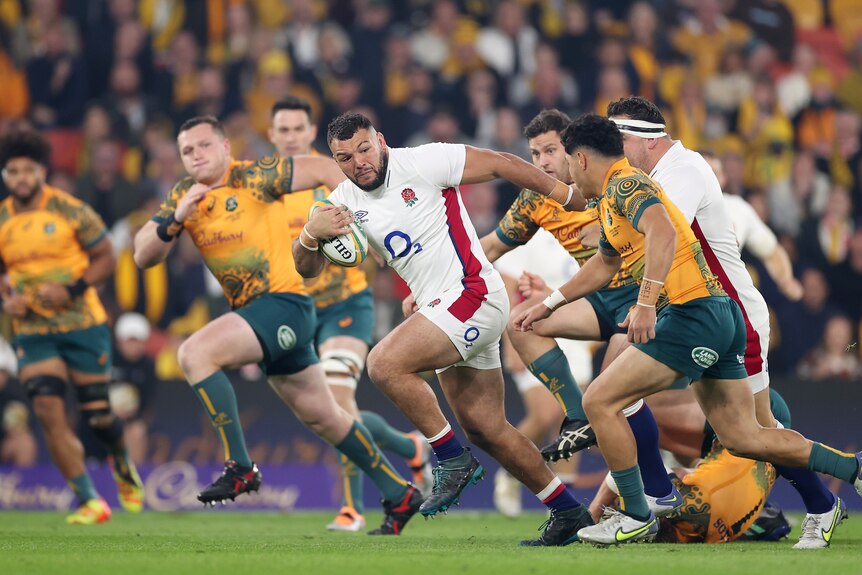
(809, 527)
(546, 523)
(441, 476)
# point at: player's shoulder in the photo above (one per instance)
(62, 202)
(626, 181)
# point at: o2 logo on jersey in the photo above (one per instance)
(471, 335)
(401, 242)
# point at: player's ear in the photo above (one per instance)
(381, 140)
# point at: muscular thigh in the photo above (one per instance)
(415, 345)
(576, 320)
(229, 339)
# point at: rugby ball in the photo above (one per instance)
(347, 250)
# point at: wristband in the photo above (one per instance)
(649, 292)
(311, 249)
(162, 229)
(305, 229)
(569, 197)
(555, 299)
(77, 288)
(564, 190)
(652, 306)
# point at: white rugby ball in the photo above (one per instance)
(347, 250)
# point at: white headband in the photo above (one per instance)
(640, 128)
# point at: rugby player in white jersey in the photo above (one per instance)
(756, 237)
(691, 184)
(408, 202)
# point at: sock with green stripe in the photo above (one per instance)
(387, 437)
(83, 487)
(832, 462)
(631, 489)
(552, 369)
(359, 446)
(219, 400)
(352, 477)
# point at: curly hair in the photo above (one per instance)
(25, 144)
(594, 132)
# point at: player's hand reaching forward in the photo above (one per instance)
(531, 285)
(329, 221)
(188, 204)
(525, 319)
(641, 324)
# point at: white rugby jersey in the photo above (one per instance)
(417, 221)
(751, 233)
(690, 183)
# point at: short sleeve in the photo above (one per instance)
(632, 195)
(272, 176)
(91, 228)
(758, 239)
(518, 224)
(441, 165)
(169, 205)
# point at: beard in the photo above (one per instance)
(381, 173)
(28, 195)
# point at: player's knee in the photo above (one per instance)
(47, 394)
(380, 367)
(591, 403)
(343, 368)
(185, 357)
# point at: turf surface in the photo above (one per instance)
(219, 541)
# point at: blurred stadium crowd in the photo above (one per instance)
(772, 87)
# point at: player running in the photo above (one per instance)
(55, 249)
(345, 323)
(652, 235)
(691, 184)
(408, 202)
(233, 213)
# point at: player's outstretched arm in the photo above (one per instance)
(593, 275)
(779, 268)
(326, 223)
(313, 171)
(482, 165)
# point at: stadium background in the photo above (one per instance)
(773, 87)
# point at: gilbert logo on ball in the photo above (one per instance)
(346, 250)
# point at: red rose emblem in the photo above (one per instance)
(407, 194)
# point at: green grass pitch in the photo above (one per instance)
(461, 542)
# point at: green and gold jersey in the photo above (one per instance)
(627, 193)
(532, 211)
(49, 245)
(241, 231)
